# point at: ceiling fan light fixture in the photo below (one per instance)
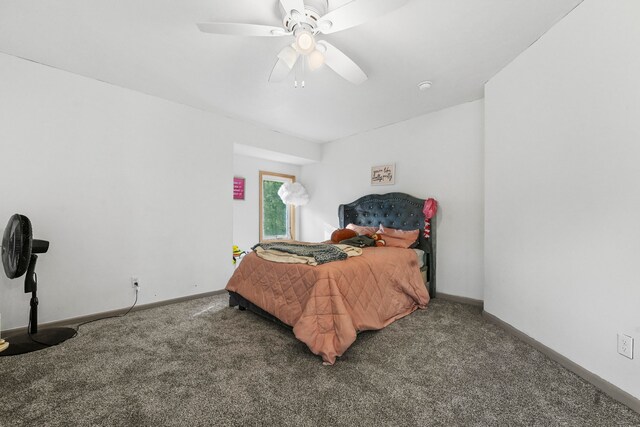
(316, 60)
(305, 42)
(304, 20)
(289, 56)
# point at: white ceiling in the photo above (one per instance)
(154, 46)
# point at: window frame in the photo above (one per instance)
(291, 211)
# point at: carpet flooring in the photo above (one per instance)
(200, 363)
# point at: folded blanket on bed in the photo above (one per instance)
(304, 253)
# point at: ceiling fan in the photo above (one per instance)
(305, 20)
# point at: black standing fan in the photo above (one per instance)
(19, 251)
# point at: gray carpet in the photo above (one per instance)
(202, 363)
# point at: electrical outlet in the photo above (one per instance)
(625, 345)
(135, 282)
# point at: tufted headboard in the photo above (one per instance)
(395, 210)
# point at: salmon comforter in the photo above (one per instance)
(328, 304)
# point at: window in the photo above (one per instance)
(276, 218)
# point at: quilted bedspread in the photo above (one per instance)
(328, 304)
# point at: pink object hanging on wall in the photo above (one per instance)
(430, 209)
(238, 188)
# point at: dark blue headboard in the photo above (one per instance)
(395, 210)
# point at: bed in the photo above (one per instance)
(329, 304)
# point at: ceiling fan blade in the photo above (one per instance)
(289, 5)
(242, 29)
(355, 13)
(335, 59)
(287, 58)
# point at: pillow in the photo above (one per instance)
(399, 238)
(342, 234)
(361, 230)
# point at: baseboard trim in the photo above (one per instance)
(604, 385)
(76, 320)
(463, 300)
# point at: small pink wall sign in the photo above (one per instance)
(238, 188)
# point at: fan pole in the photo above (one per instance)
(31, 285)
(34, 314)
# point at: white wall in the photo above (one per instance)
(437, 155)
(562, 195)
(246, 213)
(121, 183)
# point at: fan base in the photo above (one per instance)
(22, 343)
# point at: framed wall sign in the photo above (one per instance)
(383, 174)
(238, 188)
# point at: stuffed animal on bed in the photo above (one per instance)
(378, 239)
